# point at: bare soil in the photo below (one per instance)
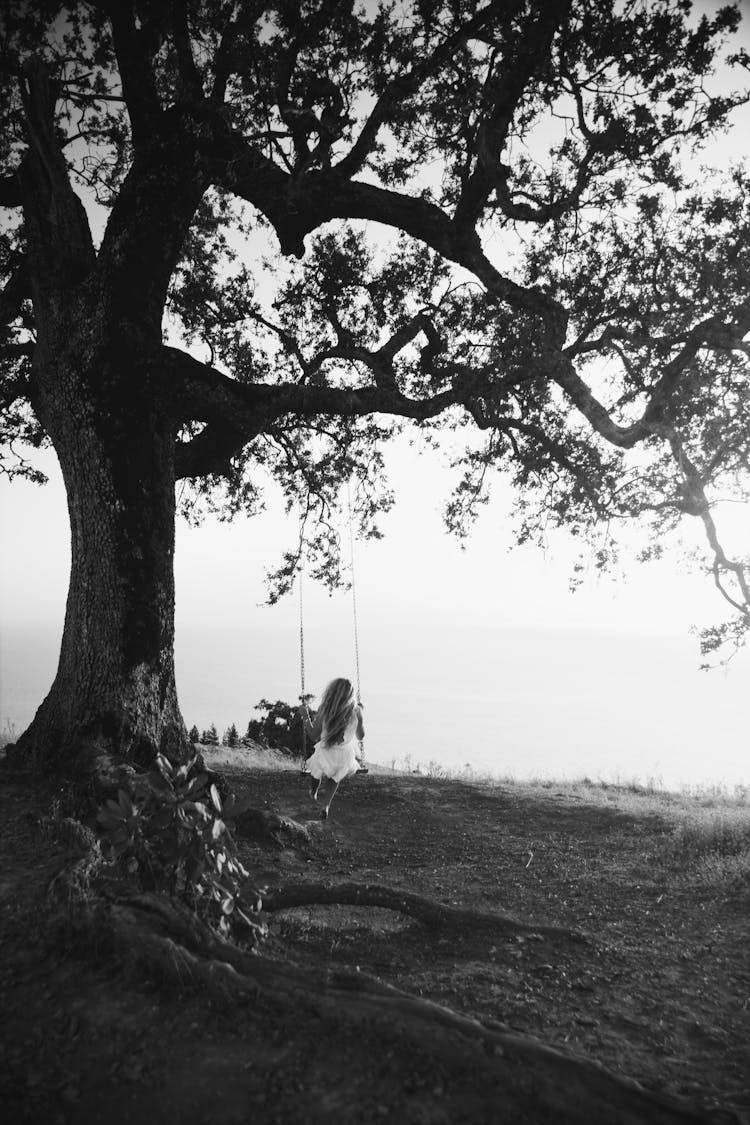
(660, 993)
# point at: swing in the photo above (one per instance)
(363, 767)
(361, 758)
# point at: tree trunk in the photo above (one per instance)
(114, 695)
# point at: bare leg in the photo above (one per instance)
(314, 787)
(334, 791)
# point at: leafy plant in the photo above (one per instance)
(169, 834)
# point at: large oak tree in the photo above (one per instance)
(244, 239)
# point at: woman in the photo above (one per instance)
(337, 729)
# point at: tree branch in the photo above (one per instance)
(504, 94)
(557, 452)
(10, 191)
(191, 84)
(227, 52)
(135, 65)
(16, 290)
(211, 450)
(696, 504)
(57, 231)
(408, 84)
(236, 412)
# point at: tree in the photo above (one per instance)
(231, 736)
(194, 734)
(211, 736)
(476, 216)
(495, 235)
(279, 726)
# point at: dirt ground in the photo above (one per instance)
(660, 994)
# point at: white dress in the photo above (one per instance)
(339, 760)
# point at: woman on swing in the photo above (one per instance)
(337, 730)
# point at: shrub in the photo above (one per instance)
(169, 834)
(279, 727)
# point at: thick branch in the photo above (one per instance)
(10, 191)
(651, 421)
(696, 503)
(136, 71)
(190, 79)
(408, 84)
(60, 246)
(229, 52)
(504, 94)
(236, 412)
(211, 450)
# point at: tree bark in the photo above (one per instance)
(114, 696)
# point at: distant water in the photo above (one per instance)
(523, 703)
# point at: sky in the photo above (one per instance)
(481, 655)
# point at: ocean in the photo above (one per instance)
(513, 702)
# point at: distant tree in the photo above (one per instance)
(498, 233)
(279, 726)
(210, 736)
(194, 734)
(231, 736)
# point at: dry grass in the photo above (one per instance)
(708, 826)
(255, 757)
(8, 734)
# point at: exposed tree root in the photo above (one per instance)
(538, 1082)
(168, 939)
(433, 914)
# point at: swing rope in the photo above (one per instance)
(362, 759)
(303, 701)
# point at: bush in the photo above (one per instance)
(279, 727)
(169, 834)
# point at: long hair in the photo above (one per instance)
(336, 710)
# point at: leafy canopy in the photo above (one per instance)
(346, 218)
